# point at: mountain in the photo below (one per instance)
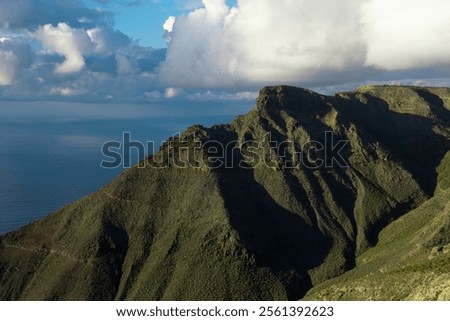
(411, 260)
(307, 196)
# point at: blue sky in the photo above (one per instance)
(215, 50)
(144, 19)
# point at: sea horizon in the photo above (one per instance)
(51, 153)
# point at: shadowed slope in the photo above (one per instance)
(411, 260)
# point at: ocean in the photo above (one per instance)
(50, 153)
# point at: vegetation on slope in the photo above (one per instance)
(411, 260)
(262, 230)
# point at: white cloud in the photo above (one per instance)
(8, 65)
(305, 42)
(405, 34)
(107, 40)
(189, 4)
(168, 25)
(68, 42)
(124, 66)
(223, 96)
(14, 54)
(172, 92)
(65, 91)
(263, 41)
(153, 95)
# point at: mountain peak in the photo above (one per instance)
(276, 98)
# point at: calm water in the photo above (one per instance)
(50, 154)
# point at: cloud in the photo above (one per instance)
(14, 54)
(406, 34)
(107, 40)
(172, 92)
(62, 50)
(306, 42)
(262, 41)
(124, 65)
(66, 41)
(8, 62)
(168, 27)
(223, 96)
(30, 14)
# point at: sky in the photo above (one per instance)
(141, 51)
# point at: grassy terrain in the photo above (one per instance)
(411, 260)
(265, 232)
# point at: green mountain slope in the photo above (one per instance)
(258, 224)
(411, 260)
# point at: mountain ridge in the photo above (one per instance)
(257, 224)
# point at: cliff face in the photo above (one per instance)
(297, 192)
